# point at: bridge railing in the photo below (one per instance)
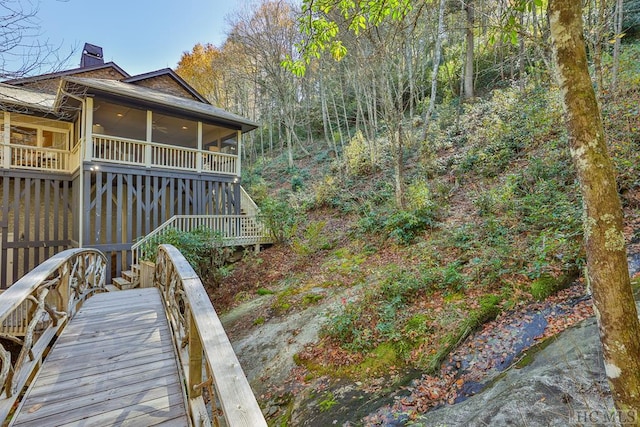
(203, 346)
(36, 307)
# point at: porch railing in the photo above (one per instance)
(121, 151)
(150, 154)
(36, 307)
(234, 230)
(28, 157)
(203, 347)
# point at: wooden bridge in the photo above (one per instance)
(73, 353)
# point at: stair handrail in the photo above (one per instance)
(247, 203)
(203, 345)
(235, 230)
(137, 247)
(36, 307)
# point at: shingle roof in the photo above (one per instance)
(18, 96)
(169, 102)
(47, 76)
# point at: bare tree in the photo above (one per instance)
(22, 50)
(437, 53)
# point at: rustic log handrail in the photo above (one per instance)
(36, 307)
(203, 346)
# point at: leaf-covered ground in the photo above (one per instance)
(430, 302)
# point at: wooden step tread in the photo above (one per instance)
(121, 283)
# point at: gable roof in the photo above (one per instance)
(170, 73)
(151, 97)
(33, 79)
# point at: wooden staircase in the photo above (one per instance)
(129, 278)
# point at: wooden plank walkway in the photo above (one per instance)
(114, 364)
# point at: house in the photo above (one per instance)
(95, 157)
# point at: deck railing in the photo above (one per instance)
(74, 158)
(121, 151)
(233, 230)
(150, 154)
(28, 157)
(36, 307)
(203, 346)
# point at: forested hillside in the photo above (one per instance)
(418, 188)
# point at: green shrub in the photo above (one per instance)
(405, 226)
(202, 247)
(313, 240)
(280, 218)
(358, 156)
(326, 191)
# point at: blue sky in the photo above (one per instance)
(138, 35)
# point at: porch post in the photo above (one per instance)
(199, 153)
(147, 147)
(238, 153)
(6, 140)
(88, 129)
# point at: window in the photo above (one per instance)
(38, 137)
(23, 135)
(119, 120)
(174, 131)
(51, 139)
(216, 138)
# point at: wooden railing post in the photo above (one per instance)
(195, 359)
(65, 288)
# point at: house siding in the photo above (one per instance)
(165, 84)
(36, 221)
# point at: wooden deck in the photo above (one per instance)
(114, 364)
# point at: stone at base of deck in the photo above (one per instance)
(114, 364)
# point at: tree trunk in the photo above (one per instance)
(468, 69)
(617, 33)
(598, 42)
(607, 268)
(437, 51)
(521, 54)
(399, 166)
